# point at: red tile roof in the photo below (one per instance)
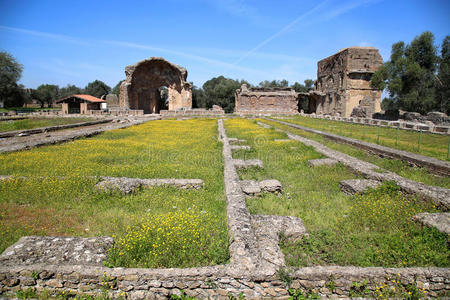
(87, 98)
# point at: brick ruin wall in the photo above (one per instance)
(265, 101)
(343, 83)
(140, 90)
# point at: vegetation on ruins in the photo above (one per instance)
(394, 165)
(38, 122)
(431, 144)
(377, 224)
(53, 191)
(416, 77)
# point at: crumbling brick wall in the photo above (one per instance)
(343, 81)
(265, 101)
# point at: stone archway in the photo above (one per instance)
(141, 89)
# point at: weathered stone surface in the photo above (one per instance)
(238, 147)
(322, 162)
(112, 101)
(343, 83)
(265, 101)
(243, 251)
(357, 186)
(129, 185)
(254, 188)
(249, 163)
(270, 186)
(140, 90)
(268, 230)
(236, 141)
(438, 117)
(264, 125)
(441, 221)
(31, 250)
(250, 187)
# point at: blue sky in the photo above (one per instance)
(76, 42)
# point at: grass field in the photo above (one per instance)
(374, 229)
(156, 227)
(38, 122)
(434, 145)
(394, 165)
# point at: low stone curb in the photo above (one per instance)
(322, 162)
(255, 188)
(438, 195)
(357, 186)
(441, 221)
(238, 147)
(129, 185)
(249, 163)
(433, 164)
(50, 128)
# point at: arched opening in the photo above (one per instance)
(152, 84)
(163, 93)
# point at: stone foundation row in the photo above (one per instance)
(429, 127)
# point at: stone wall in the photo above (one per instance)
(265, 101)
(140, 90)
(343, 82)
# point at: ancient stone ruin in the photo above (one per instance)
(142, 88)
(343, 83)
(265, 101)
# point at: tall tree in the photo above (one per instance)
(10, 72)
(116, 89)
(69, 90)
(274, 83)
(97, 88)
(443, 78)
(220, 91)
(46, 94)
(410, 75)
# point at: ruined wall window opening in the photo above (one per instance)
(163, 93)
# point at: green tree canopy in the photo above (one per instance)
(307, 86)
(217, 91)
(69, 90)
(116, 89)
(46, 94)
(10, 72)
(410, 76)
(97, 88)
(274, 84)
(443, 84)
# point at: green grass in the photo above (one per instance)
(394, 165)
(374, 229)
(28, 109)
(46, 204)
(31, 123)
(434, 145)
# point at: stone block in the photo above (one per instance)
(441, 221)
(357, 186)
(322, 162)
(243, 164)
